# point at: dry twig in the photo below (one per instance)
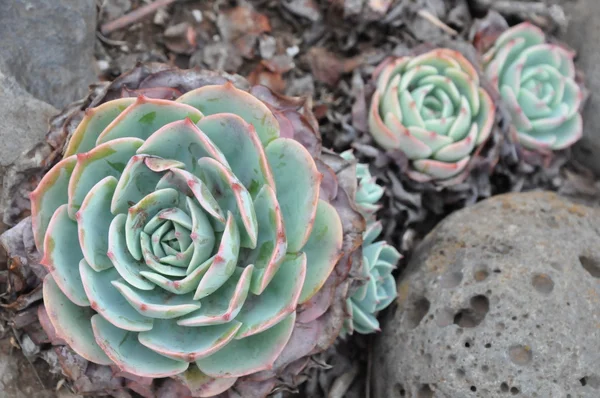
(134, 16)
(343, 383)
(435, 21)
(110, 42)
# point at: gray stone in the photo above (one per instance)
(48, 46)
(29, 348)
(113, 9)
(582, 34)
(500, 299)
(23, 123)
(23, 120)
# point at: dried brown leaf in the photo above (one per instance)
(241, 26)
(263, 76)
(328, 67)
(181, 38)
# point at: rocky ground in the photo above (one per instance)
(498, 300)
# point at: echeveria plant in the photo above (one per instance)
(536, 82)
(379, 288)
(194, 238)
(432, 108)
(368, 192)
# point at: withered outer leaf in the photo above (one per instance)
(320, 319)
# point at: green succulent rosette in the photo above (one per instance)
(368, 192)
(536, 81)
(379, 285)
(433, 109)
(182, 237)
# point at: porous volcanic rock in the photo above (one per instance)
(501, 299)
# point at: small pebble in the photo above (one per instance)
(197, 14)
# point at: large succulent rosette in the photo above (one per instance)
(431, 107)
(205, 238)
(536, 81)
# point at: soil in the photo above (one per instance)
(25, 378)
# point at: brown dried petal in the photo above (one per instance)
(36, 333)
(304, 132)
(24, 318)
(23, 256)
(166, 93)
(333, 320)
(277, 101)
(172, 388)
(329, 184)
(241, 26)
(250, 389)
(485, 31)
(145, 391)
(318, 304)
(25, 300)
(180, 38)
(352, 222)
(301, 343)
(263, 76)
(72, 365)
(328, 67)
(98, 379)
(279, 64)
(47, 326)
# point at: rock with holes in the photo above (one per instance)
(501, 299)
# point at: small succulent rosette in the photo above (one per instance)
(378, 290)
(376, 284)
(536, 81)
(196, 238)
(432, 108)
(368, 192)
